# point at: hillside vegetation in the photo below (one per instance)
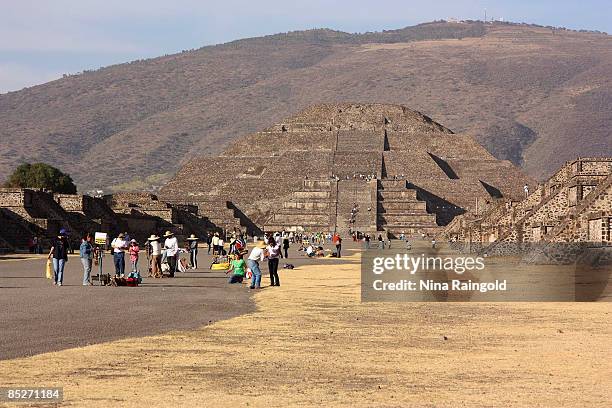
(533, 95)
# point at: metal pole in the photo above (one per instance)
(99, 265)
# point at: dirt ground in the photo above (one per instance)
(311, 342)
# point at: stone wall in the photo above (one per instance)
(571, 207)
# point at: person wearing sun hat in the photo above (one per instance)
(172, 249)
(193, 251)
(257, 255)
(155, 256)
(119, 246)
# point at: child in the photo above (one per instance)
(238, 266)
(134, 250)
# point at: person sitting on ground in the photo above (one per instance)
(310, 252)
(237, 267)
(320, 252)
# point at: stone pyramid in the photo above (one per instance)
(366, 167)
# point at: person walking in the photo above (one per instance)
(366, 239)
(134, 251)
(257, 255)
(193, 251)
(274, 250)
(381, 242)
(155, 256)
(59, 253)
(86, 255)
(208, 241)
(172, 249)
(286, 245)
(338, 243)
(119, 246)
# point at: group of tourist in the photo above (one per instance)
(271, 248)
(35, 245)
(163, 254)
(158, 255)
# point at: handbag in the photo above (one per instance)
(49, 269)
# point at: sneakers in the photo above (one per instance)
(59, 284)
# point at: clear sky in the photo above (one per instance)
(42, 39)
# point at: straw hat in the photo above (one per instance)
(260, 244)
(192, 237)
(168, 234)
(153, 237)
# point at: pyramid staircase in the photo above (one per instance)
(399, 211)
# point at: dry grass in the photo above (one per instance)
(312, 343)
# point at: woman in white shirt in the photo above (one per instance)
(172, 248)
(274, 249)
(257, 255)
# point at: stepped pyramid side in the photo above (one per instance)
(311, 170)
(573, 206)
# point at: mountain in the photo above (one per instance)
(534, 95)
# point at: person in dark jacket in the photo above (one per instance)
(286, 245)
(193, 251)
(59, 254)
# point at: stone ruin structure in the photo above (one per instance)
(573, 206)
(347, 167)
(26, 213)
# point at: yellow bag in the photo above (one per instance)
(49, 269)
(220, 266)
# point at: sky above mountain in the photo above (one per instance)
(41, 40)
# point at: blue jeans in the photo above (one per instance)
(235, 279)
(86, 270)
(119, 259)
(256, 279)
(58, 270)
